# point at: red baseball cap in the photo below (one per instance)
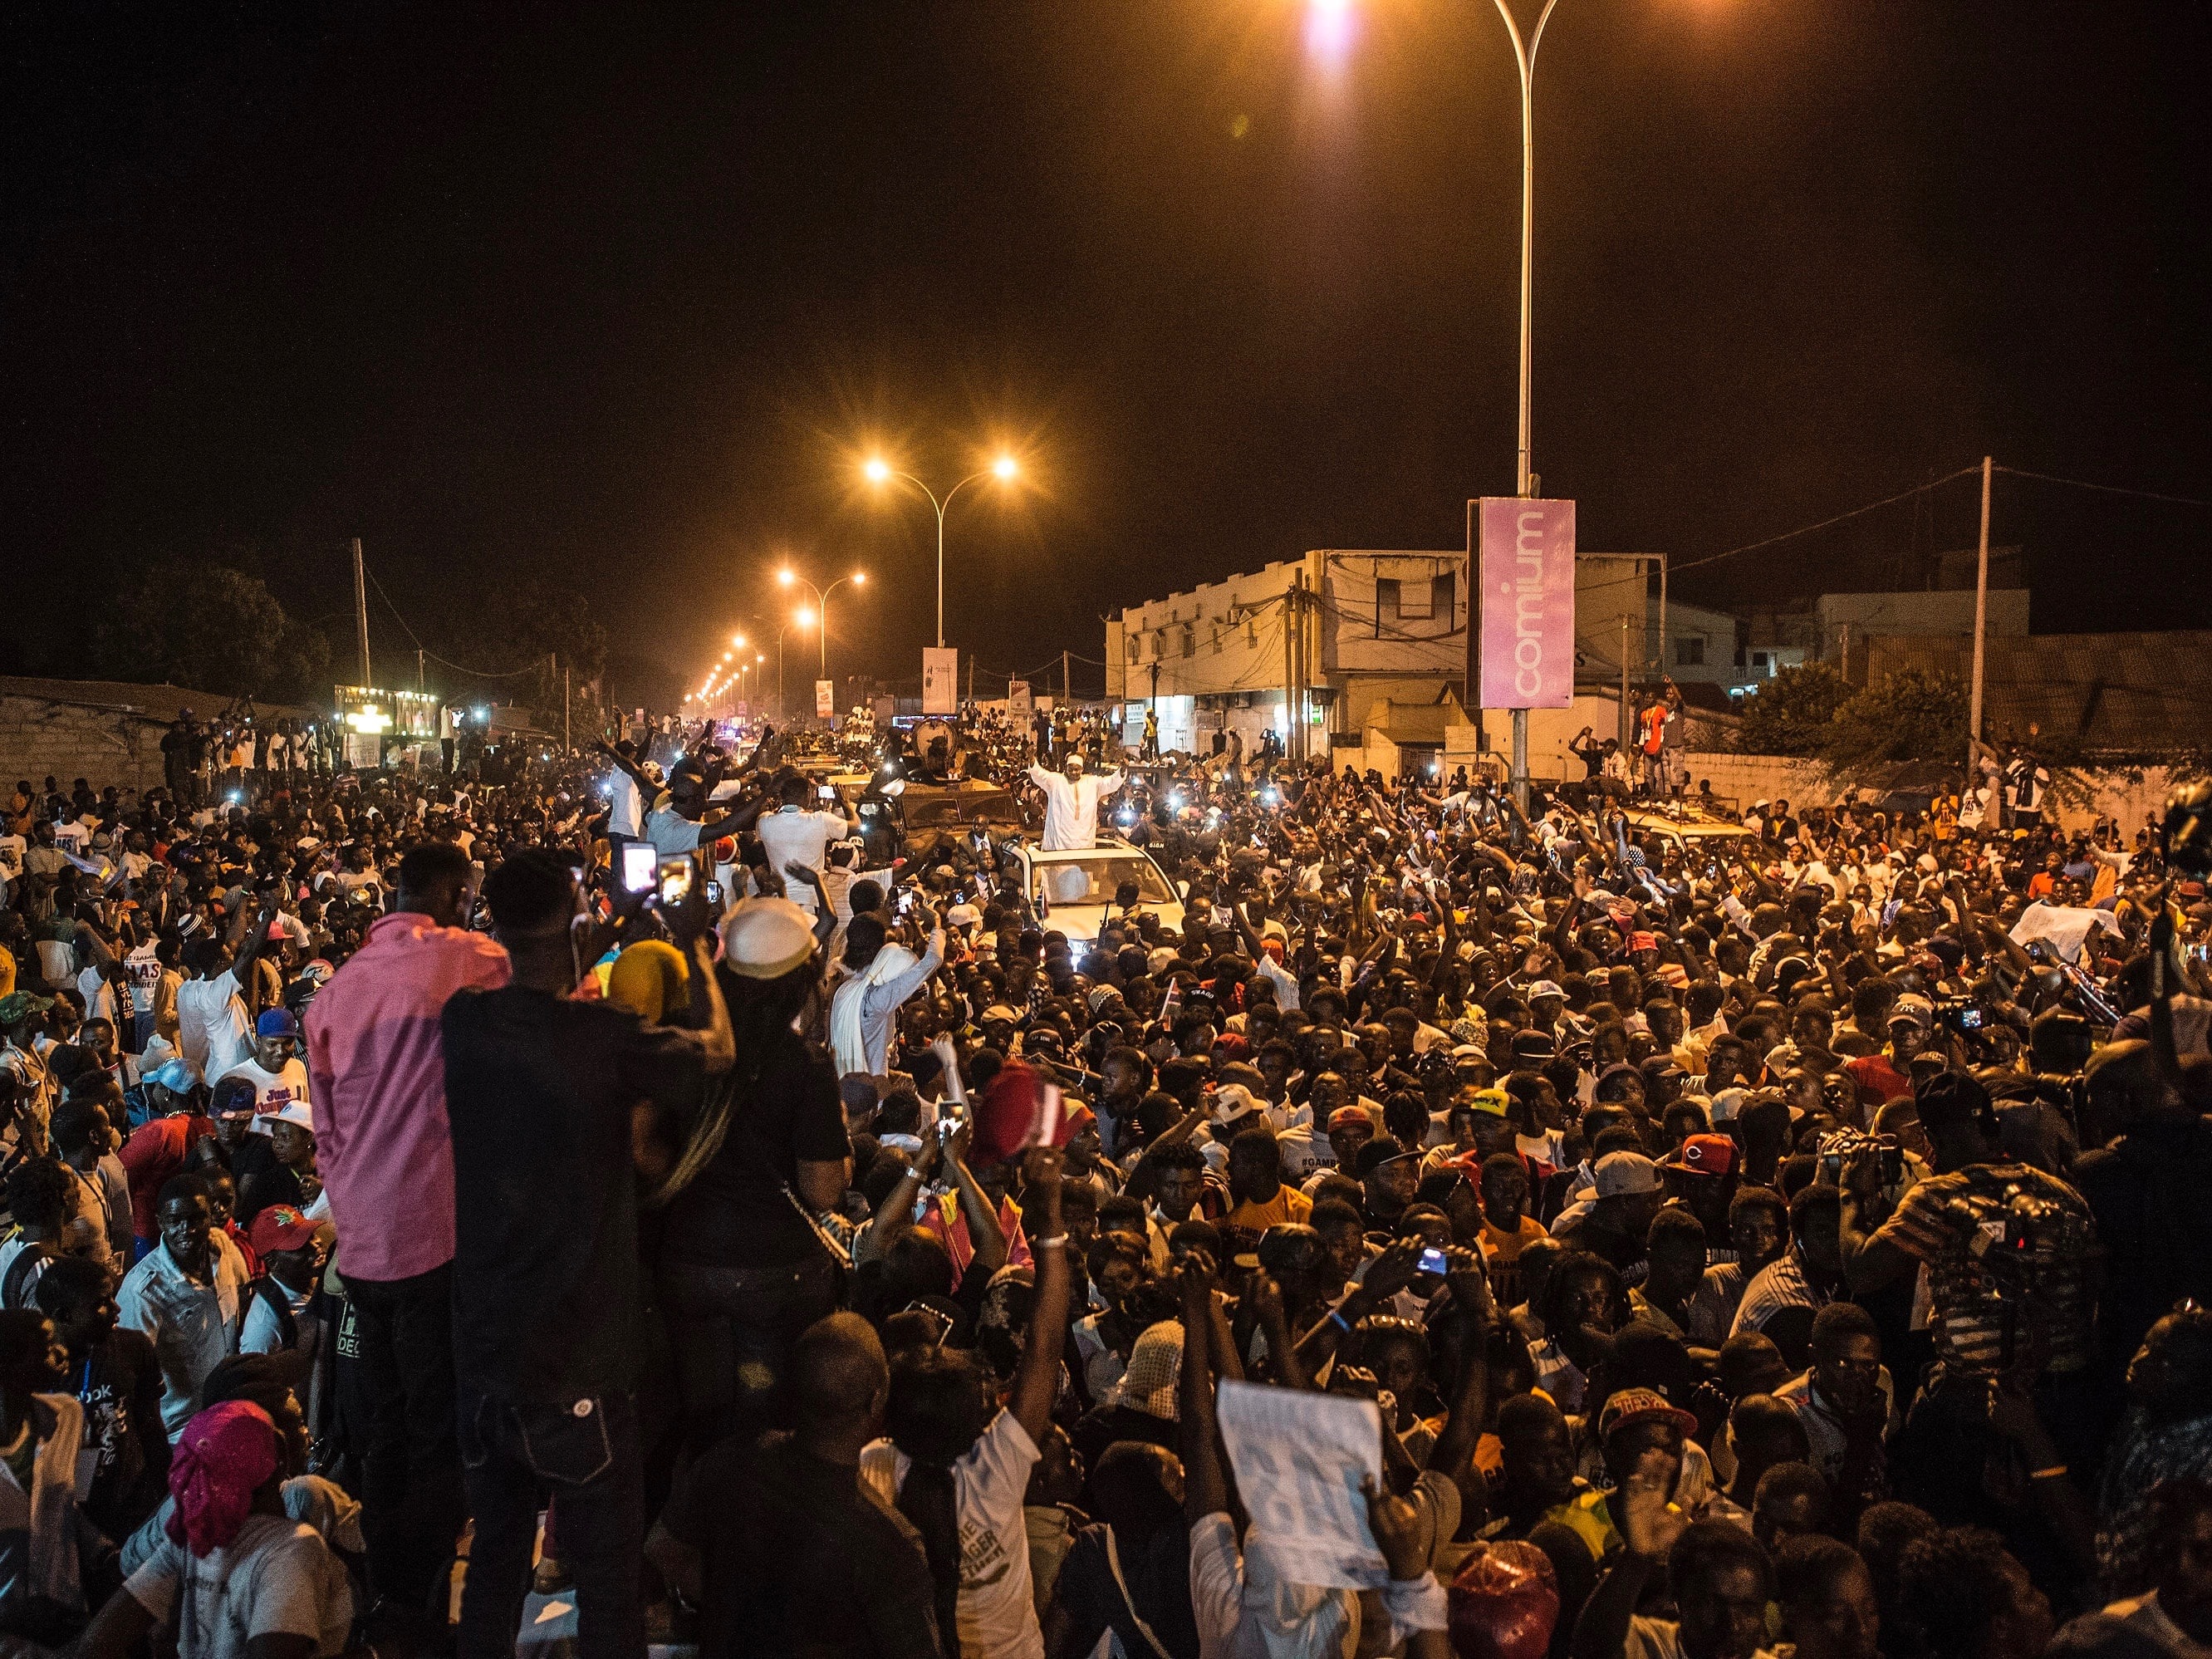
(1712, 1155)
(281, 1227)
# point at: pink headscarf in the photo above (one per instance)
(220, 1460)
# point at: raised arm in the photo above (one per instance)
(256, 938)
(1037, 1378)
(1651, 1528)
(984, 1232)
(1205, 1485)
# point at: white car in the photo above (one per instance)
(1073, 892)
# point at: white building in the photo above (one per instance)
(1366, 647)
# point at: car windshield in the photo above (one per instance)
(1096, 877)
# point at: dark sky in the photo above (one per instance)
(616, 295)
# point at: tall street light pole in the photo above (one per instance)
(1524, 58)
(783, 709)
(791, 577)
(880, 471)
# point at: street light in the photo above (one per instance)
(1524, 59)
(790, 578)
(878, 471)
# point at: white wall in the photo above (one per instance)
(2132, 798)
(1942, 611)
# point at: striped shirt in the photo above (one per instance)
(1780, 1283)
(1938, 1221)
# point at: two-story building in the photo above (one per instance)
(1363, 649)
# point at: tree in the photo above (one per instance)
(1789, 714)
(1910, 715)
(211, 629)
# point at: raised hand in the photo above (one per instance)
(1647, 1523)
(1397, 1529)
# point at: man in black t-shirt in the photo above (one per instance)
(780, 1543)
(116, 1378)
(540, 1089)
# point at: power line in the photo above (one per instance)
(1807, 529)
(475, 673)
(2108, 490)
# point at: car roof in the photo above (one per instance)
(1113, 844)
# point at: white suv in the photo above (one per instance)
(1073, 892)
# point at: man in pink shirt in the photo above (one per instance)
(376, 1071)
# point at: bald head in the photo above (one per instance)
(839, 1376)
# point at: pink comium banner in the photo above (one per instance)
(1528, 602)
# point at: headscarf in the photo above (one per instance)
(649, 978)
(221, 1461)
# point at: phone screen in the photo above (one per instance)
(827, 793)
(676, 881)
(640, 860)
(1432, 1261)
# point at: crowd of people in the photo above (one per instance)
(1444, 1226)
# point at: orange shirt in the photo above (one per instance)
(1287, 1204)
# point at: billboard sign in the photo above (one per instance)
(825, 699)
(1528, 602)
(1019, 705)
(941, 680)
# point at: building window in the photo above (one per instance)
(1190, 640)
(1690, 652)
(1217, 642)
(1758, 659)
(1443, 595)
(1136, 648)
(1416, 601)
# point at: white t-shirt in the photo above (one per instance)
(11, 855)
(789, 835)
(259, 1332)
(72, 836)
(57, 961)
(143, 970)
(276, 1577)
(622, 799)
(99, 995)
(212, 1024)
(998, 1610)
(272, 1091)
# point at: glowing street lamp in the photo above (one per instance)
(787, 577)
(878, 471)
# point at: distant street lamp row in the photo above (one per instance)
(877, 472)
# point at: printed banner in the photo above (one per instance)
(1528, 602)
(825, 699)
(1299, 1459)
(941, 680)
(1018, 706)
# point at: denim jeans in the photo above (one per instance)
(515, 1455)
(412, 1506)
(732, 1330)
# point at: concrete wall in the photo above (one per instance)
(1919, 612)
(2082, 798)
(1744, 779)
(43, 736)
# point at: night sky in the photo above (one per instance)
(618, 295)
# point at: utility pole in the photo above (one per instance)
(566, 674)
(1291, 601)
(1981, 623)
(1067, 680)
(360, 608)
(1847, 653)
(418, 668)
(1627, 727)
